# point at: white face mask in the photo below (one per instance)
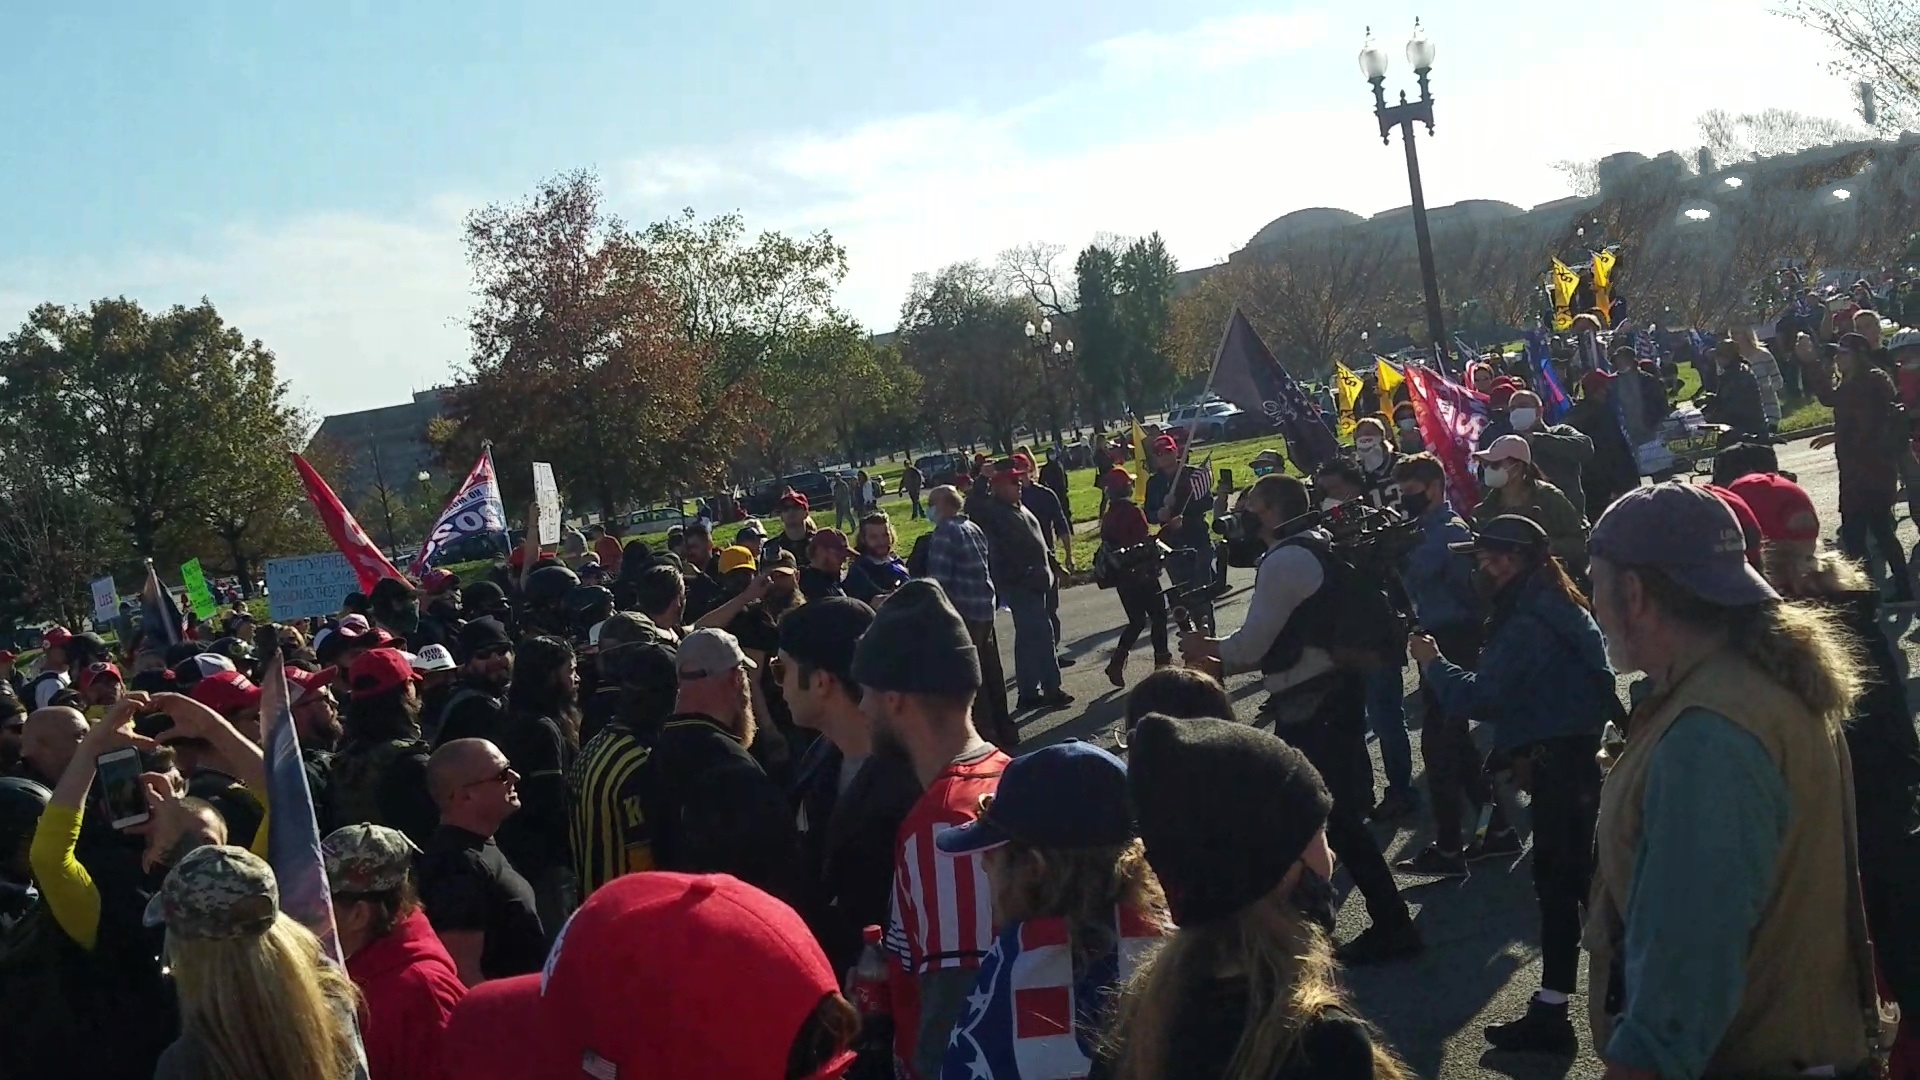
(1523, 419)
(1366, 446)
(1495, 476)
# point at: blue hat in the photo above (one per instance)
(1071, 795)
(1687, 532)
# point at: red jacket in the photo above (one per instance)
(411, 987)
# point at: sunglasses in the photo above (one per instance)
(500, 777)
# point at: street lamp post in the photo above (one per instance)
(1052, 354)
(1373, 64)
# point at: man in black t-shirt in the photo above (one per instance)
(477, 706)
(481, 907)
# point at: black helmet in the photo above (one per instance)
(587, 606)
(21, 801)
(549, 585)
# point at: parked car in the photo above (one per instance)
(1212, 420)
(937, 469)
(815, 485)
(486, 545)
(655, 519)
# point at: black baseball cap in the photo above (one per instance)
(1508, 534)
(1069, 795)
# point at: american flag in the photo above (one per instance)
(1029, 1017)
(1553, 396)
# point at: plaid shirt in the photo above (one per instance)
(957, 559)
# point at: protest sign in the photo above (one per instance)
(547, 494)
(301, 586)
(106, 600)
(198, 594)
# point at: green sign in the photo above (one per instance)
(198, 594)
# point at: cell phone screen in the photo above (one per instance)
(119, 779)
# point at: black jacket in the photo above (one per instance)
(713, 809)
(847, 845)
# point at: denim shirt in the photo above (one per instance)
(1440, 583)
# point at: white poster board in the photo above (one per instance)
(547, 494)
(301, 586)
(106, 601)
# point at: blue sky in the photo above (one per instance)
(307, 166)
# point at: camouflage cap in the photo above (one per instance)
(367, 858)
(216, 891)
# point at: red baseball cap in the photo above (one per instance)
(1595, 379)
(94, 672)
(648, 979)
(226, 692)
(1116, 477)
(301, 683)
(438, 580)
(380, 671)
(829, 538)
(1024, 461)
(8, 656)
(1166, 444)
(793, 500)
(1781, 508)
(56, 637)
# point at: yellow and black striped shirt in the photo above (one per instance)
(610, 833)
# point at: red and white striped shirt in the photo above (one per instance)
(942, 908)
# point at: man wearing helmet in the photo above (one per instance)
(546, 596)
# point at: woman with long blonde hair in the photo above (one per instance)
(1234, 822)
(1076, 906)
(258, 998)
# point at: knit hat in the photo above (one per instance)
(824, 633)
(918, 644)
(367, 858)
(1225, 810)
(657, 975)
(216, 892)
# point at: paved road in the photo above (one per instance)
(1481, 963)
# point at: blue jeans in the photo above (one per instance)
(1035, 670)
(1387, 716)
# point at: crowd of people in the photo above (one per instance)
(754, 810)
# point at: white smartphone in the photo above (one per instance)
(119, 774)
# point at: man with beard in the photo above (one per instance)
(760, 600)
(702, 570)
(918, 670)
(379, 774)
(541, 736)
(851, 801)
(396, 609)
(477, 708)
(712, 808)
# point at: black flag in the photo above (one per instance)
(1245, 373)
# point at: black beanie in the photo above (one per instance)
(918, 645)
(823, 634)
(482, 634)
(1225, 811)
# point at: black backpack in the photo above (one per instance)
(1351, 616)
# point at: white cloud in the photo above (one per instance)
(1212, 45)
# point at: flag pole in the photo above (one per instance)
(1186, 447)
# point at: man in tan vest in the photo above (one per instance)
(1725, 926)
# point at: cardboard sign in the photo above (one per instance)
(547, 494)
(106, 601)
(302, 586)
(198, 594)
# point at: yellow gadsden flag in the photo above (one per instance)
(1565, 284)
(1603, 284)
(1140, 466)
(1346, 392)
(1390, 380)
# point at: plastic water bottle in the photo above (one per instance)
(867, 985)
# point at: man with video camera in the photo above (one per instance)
(1315, 627)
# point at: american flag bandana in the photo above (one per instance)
(1028, 1017)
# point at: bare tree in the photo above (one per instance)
(1035, 271)
(1313, 299)
(1732, 137)
(1583, 177)
(1876, 42)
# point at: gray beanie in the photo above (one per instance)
(918, 645)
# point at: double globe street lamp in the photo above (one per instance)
(1373, 64)
(1041, 338)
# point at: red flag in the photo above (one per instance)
(348, 536)
(1451, 418)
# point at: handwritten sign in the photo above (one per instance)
(547, 494)
(198, 594)
(301, 586)
(106, 600)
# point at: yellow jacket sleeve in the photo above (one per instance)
(65, 884)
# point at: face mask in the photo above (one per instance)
(1367, 446)
(1409, 425)
(1415, 503)
(1495, 476)
(1523, 419)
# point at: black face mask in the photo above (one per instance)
(1313, 898)
(1415, 503)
